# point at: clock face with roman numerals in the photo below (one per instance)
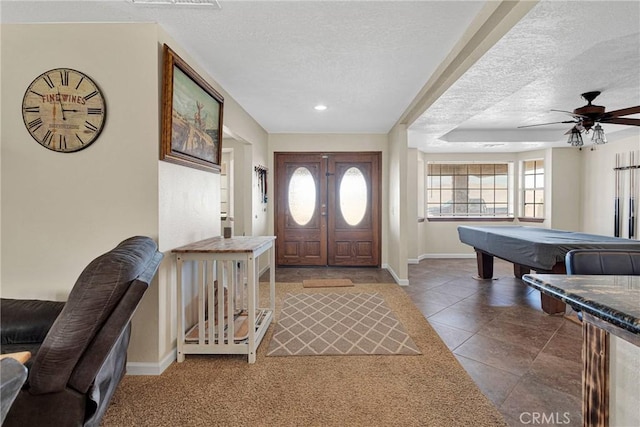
(64, 110)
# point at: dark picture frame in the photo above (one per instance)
(191, 116)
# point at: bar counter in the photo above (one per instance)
(609, 305)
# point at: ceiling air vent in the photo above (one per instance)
(213, 3)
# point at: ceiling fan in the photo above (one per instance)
(590, 116)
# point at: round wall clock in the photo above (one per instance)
(64, 110)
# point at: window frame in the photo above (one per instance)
(523, 189)
(453, 169)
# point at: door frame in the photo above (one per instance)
(376, 202)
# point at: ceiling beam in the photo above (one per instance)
(494, 20)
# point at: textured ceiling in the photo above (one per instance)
(368, 60)
(365, 60)
(558, 51)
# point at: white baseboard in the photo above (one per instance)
(434, 256)
(399, 281)
(413, 261)
(140, 368)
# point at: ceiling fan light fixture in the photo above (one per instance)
(589, 116)
(575, 138)
(598, 135)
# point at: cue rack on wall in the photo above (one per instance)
(626, 194)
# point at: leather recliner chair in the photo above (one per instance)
(79, 348)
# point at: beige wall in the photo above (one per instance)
(190, 201)
(440, 239)
(420, 170)
(413, 203)
(398, 205)
(0, 160)
(624, 368)
(261, 224)
(597, 202)
(565, 166)
(59, 211)
(241, 174)
(598, 183)
(581, 184)
(563, 180)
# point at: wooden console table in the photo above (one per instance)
(609, 305)
(225, 274)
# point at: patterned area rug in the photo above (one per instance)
(338, 324)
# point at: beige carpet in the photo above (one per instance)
(430, 389)
(327, 283)
(319, 324)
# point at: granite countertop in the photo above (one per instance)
(614, 299)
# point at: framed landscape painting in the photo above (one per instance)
(191, 117)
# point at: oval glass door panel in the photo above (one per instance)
(353, 196)
(302, 195)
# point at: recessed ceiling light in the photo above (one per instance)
(320, 107)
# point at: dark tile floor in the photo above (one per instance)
(526, 362)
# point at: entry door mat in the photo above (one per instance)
(326, 283)
(323, 324)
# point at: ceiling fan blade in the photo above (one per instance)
(571, 113)
(622, 121)
(623, 112)
(544, 124)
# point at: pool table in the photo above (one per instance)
(533, 248)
